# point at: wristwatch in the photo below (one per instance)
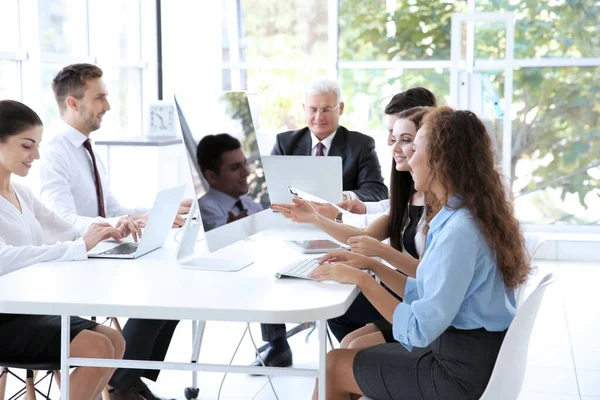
(338, 218)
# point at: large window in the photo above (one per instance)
(36, 42)
(378, 48)
(10, 74)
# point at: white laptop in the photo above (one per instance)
(154, 235)
(320, 176)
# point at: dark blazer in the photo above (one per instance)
(361, 169)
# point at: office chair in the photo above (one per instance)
(509, 370)
(532, 242)
(30, 383)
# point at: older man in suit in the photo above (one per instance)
(323, 136)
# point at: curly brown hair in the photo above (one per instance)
(461, 156)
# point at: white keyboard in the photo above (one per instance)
(299, 268)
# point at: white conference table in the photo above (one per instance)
(156, 287)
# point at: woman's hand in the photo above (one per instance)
(327, 210)
(354, 206)
(348, 258)
(365, 245)
(339, 273)
(99, 232)
(301, 211)
(128, 226)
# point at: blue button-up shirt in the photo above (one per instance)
(458, 284)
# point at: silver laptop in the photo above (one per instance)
(154, 235)
(319, 176)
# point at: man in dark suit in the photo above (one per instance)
(361, 175)
(324, 136)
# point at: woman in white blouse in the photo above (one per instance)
(29, 234)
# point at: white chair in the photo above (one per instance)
(509, 371)
(532, 243)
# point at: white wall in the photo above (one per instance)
(191, 47)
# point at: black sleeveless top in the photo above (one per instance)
(408, 237)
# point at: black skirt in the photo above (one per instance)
(35, 338)
(385, 328)
(456, 366)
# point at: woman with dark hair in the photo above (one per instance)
(454, 315)
(414, 97)
(400, 224)
(406, 220)
(30, 233)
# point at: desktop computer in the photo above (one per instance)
(227, 173)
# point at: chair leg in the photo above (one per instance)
(105, 395)
(57, 378)
(30, 386)
(3, 382)
(116, 324)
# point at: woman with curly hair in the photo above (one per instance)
(455, 314)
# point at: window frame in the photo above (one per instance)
(31, 60)
(334, 66)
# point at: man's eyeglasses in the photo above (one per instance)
(325, 110)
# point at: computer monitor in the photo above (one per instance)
(227, 172)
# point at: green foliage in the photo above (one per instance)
(414, 30)
(558, 108)
(293, 30)
(238, 108)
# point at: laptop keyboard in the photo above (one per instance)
(300, 268)
(122, 249)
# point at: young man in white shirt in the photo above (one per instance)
(74, 185)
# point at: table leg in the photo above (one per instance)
(194, 373)
(65, 345)
(197, 335)
(322, 357)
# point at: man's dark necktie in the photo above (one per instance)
(99, 194)
(320, 148)
(239, 205)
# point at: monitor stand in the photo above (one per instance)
(187, 258)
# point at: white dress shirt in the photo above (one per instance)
(215, 205)
(326, 146)
(378, 207)
(326, 143)
(67, 180)
(34, 235)
(375, 209)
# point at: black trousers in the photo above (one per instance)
(360, 313)
(146, 339)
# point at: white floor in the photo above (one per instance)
(564, 355)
